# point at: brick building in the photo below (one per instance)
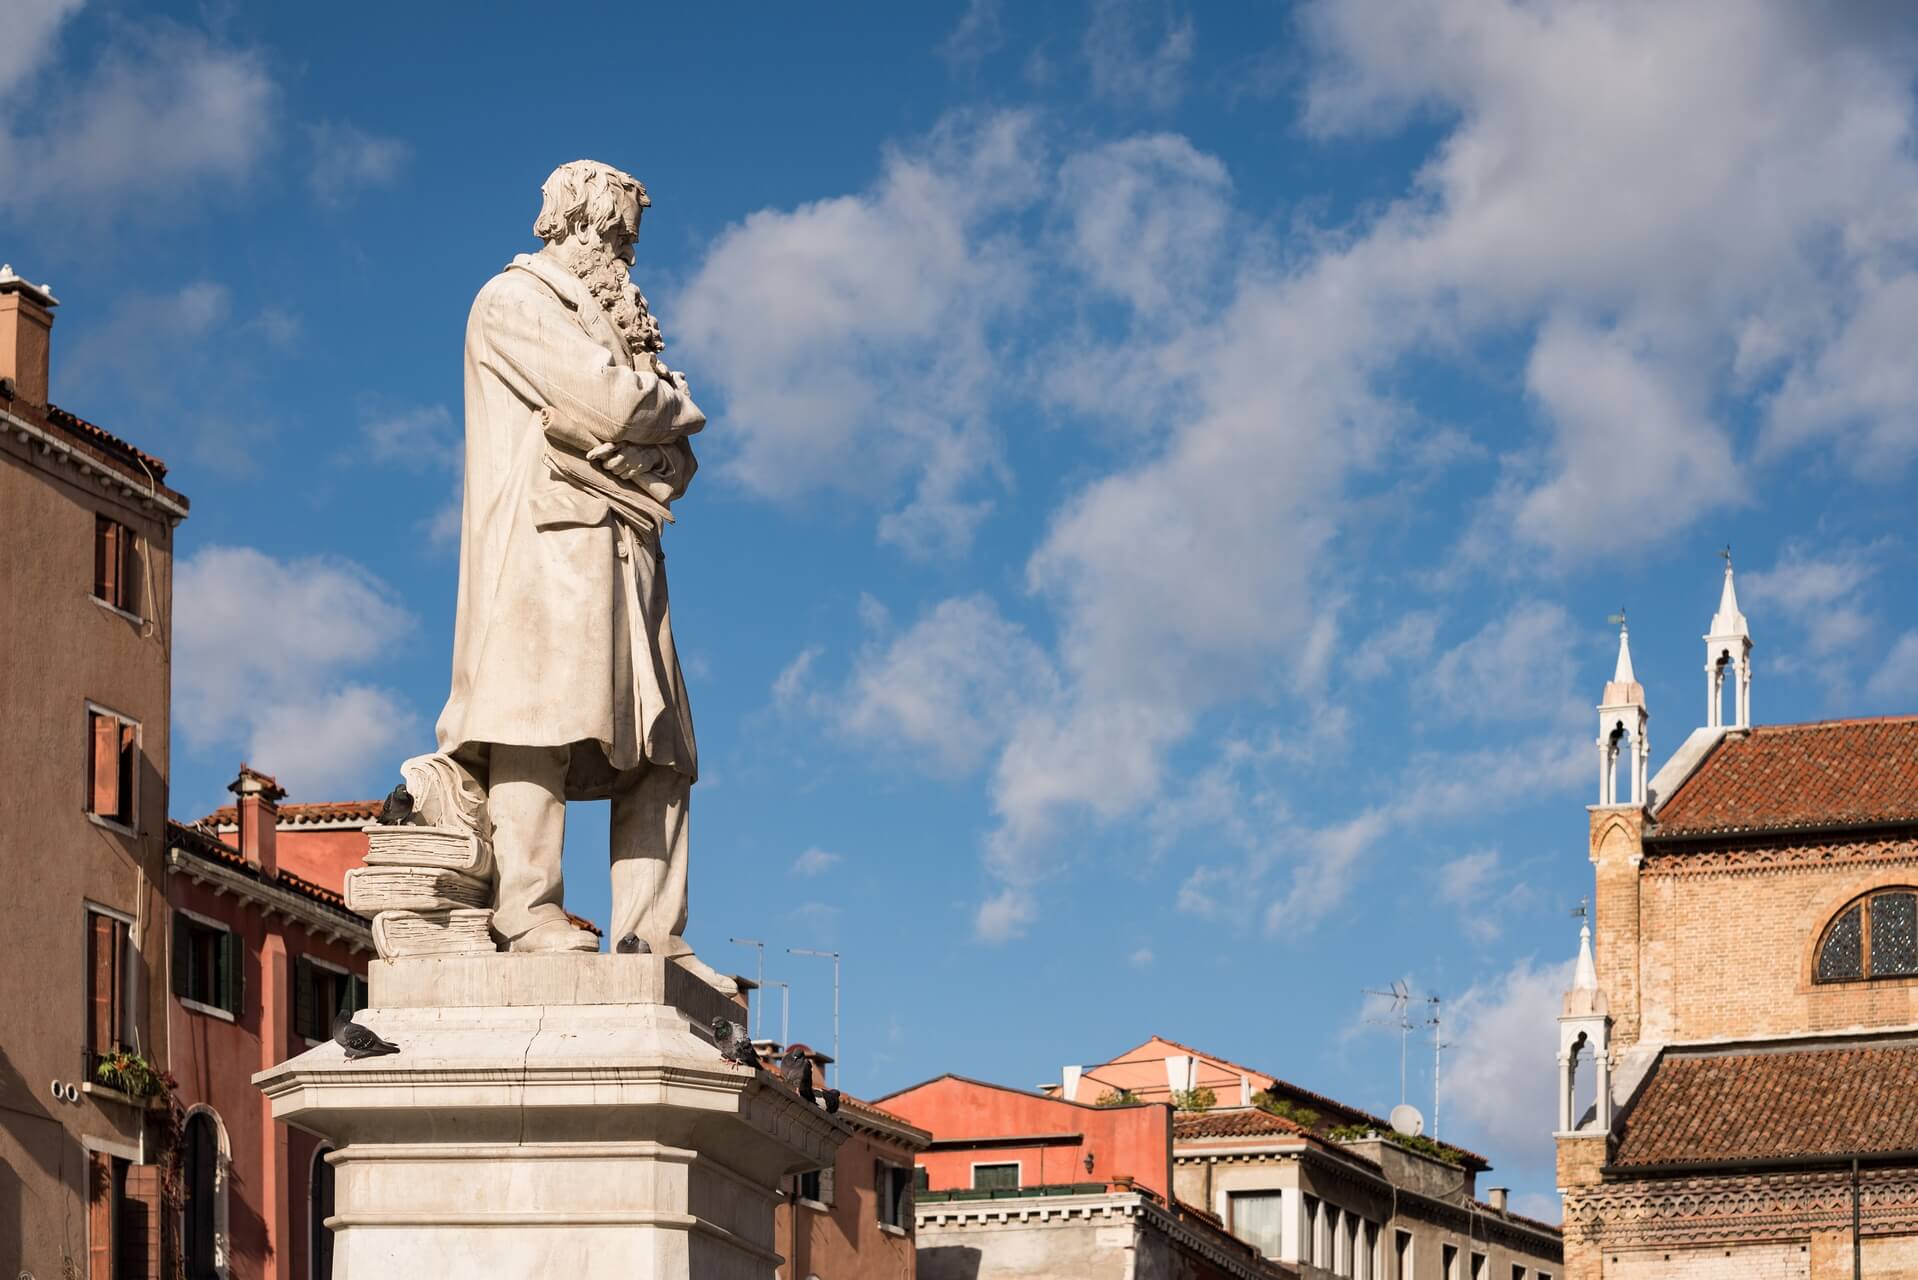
(264, 951)
(1739, 1049)
(86, 616)
(1318, 1183)
(1016, 1183)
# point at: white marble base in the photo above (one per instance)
(550, 1115)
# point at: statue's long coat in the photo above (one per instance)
(563, 634)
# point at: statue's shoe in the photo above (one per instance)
(555, 935)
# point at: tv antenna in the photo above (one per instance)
(759, 976)
(1439, 1046)
(1401, 997)
(833, 956)
(785, 1008)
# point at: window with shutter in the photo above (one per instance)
(206, 964)
(304, 1019)
(116, 561)
(113, 761)
(107, 958)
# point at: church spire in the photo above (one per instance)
(1728, 647)
(1622, 720)
(1585, 977)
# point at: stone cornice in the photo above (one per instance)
(326, 922)
(112, 478)
(1128, 1206)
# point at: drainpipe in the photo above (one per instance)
(1857, 1248)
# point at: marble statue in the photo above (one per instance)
(565, 684)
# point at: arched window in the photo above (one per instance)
(201, 1179)
(319, 1207)
(1874, 937)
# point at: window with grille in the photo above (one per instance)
(113, 766)
(995, 1177)
(116, 563)
(320, 993)
(206, 965)
(1875, 937)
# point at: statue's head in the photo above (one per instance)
(588, 205)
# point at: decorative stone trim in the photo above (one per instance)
(1113, 1206)
(1779, 853)
(1739, 1208)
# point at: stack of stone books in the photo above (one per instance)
(429, 891)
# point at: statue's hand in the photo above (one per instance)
(621, 461)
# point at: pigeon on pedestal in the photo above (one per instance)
(633, 945)
(734, 1044)
(795, 1068)
(359, 1041)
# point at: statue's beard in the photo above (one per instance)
(605, 275)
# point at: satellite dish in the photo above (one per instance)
(1406, 1120)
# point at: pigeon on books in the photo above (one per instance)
(359, 1041)
(397, 809)
(734, 1044)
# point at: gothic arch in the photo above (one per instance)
(1833, 911)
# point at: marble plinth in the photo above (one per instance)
(549, 1115)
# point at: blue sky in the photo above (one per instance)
(1169, 468)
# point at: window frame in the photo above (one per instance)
(116, 585)
(1018, 1174)
(892, 1187)
(228, 1001)
(822, 1187)
(126, 779)
(321, 1023)
(1862, 903)
(1261, 1194)
(121, 1018)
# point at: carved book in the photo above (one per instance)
(447, 848)
(463, 931)
(371, 890)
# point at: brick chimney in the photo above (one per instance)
(259, 807)
(26, 324)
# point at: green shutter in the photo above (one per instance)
(182, 955)
(303, 1010)
(233, 969)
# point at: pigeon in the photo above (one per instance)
(831, 1097)
(359, 1041)
(634, 945)
(734, 1044)
(795, 1068)
(397, 809)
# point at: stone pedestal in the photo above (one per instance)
(561, 1115)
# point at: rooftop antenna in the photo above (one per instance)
(1439, 1046)
(759, 976)
(834, 957)
(785, 1009)
(1726, 555)
(1400, 995)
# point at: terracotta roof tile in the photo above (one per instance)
(106, 440)
(295, 815)
(1240, 1122)
(1767, 1102)
(1839, 773)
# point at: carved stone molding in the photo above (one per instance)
(1777, 854)
(1739, 1209)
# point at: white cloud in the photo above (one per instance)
(1145, 220)
(851, 338)
(347, 161)
(1137, 53)
(1823, 593)
(1499, 1078)
(816, 862)
(978, 34)
(1141, 958)
(266, 653)
(1005, 915)
(1897, 675)
(163, 115)
(789, 686)
(1465, 879)
(1520, 666)
(1406, 642)
(945, 687)
(421, 437)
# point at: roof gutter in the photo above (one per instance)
(153, 492)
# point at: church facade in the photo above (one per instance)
(1738, 1057)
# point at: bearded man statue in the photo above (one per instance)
(566, 685)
